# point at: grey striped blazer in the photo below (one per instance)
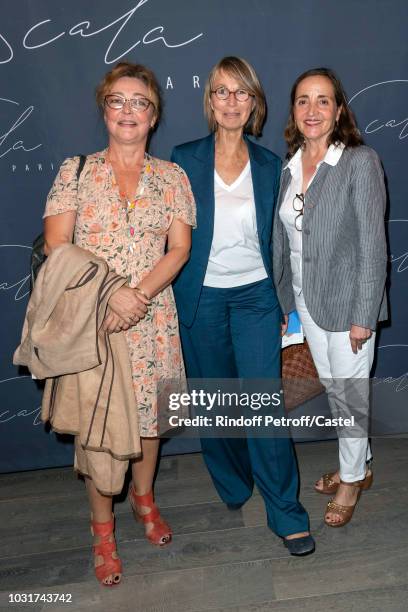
(344, 259)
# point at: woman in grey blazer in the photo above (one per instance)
(330, 262)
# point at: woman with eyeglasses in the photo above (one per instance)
(136, 212)
(330, 259)
(228, 309)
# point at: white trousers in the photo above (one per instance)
(334, 360)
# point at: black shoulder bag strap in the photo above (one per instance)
(37, 255)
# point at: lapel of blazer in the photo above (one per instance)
(310, 200)
(284, 184)
(261, 187)
(312, 194)
(278, 229)
(204, 187)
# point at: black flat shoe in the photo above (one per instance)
(234, 506)
(300, 547)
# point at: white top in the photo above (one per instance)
(235, 256)
(288, 214)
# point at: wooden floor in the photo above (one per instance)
(219, 560)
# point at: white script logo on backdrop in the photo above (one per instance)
(385, 93)
(7, 139)
(42, 34)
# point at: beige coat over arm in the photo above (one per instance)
(88, 389)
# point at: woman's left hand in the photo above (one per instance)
(114, 323)
(358, 336)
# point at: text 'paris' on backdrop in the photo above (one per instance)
(52, 55)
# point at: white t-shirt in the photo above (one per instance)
(235, 256)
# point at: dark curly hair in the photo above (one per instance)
(345, 129)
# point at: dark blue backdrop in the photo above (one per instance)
(52, 54)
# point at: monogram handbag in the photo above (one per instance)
(299, 375)
(37, 255)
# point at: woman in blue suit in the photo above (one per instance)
(228, 310)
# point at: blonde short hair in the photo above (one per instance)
(242, 71)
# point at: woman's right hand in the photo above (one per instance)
(284, 324)
(128, 304)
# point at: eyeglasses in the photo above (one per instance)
(139, 104)
(223, 93)
(298, 205)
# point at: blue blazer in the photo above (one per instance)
(197, 159)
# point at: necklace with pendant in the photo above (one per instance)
(130, 205)
(142, 184)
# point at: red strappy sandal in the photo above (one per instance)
(161, 533)
(106, 548)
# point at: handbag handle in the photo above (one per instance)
(38, 256)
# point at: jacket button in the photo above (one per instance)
(306, 231)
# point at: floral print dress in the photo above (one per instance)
(132, 239)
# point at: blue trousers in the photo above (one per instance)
(236, 333)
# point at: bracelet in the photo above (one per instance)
(142, 292)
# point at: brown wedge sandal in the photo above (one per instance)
(330, 486)
(346, 512)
